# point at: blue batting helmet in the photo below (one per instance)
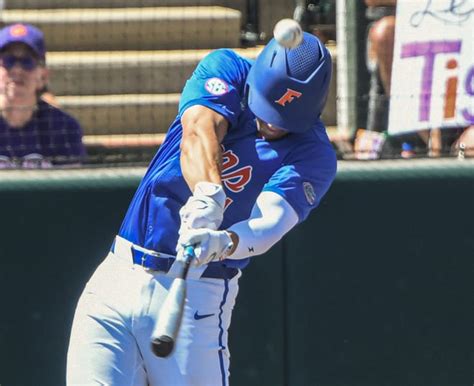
(288, 87)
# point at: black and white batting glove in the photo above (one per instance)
(204, 209)
(210, 245)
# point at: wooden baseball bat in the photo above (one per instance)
(165, 332)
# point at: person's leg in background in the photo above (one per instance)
(379, 55)
(380, 43)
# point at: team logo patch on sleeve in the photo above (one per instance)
(216, 86)
(309, 193)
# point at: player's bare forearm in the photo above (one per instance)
(201, 159)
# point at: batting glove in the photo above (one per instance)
(210, 245)
(204, 209)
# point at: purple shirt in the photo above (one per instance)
(51, 137)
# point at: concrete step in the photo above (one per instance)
(134, 114)
(58, 4)
(124, 140)
(69, 4)
(122, 114)
(139, 141)
(154, 104)
(125, 72)
(147, 28)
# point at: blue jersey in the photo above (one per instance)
(299, 167)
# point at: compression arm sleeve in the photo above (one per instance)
(272, 216)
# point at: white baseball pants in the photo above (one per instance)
(115, 315)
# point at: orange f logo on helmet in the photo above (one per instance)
(288, 97)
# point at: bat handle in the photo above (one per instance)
(188, 255)
(166, 330)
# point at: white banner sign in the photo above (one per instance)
(433, 66)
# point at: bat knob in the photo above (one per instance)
(162, 346)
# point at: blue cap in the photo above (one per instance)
(26, 34)
(288, 87)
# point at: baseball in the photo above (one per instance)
(288, 33)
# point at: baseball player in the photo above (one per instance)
(246, 159)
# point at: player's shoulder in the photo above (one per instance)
(225, 62)
(225, 55)
(312, 144)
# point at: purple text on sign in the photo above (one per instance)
(428, 50)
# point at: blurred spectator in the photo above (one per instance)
(33, 133)
(380, 47)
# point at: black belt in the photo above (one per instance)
(214, 270)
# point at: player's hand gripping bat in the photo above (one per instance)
(163, 337)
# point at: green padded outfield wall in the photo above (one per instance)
(375, 289)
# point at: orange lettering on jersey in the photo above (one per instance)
(288, 97)
(229, 160)
(228, 201)
(234, 180)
